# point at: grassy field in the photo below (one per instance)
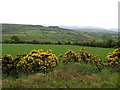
(14, 49)
(65, 76)
(73, 75)
(47, 34)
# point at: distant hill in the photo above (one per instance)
(52, 33)
(88, 28)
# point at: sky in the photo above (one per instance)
(96, 13)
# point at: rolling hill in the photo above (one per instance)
(52, 33)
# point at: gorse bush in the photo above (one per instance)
(82, 56)
(7, 63)
(38, 60)
(113, 59)
(33, 62)
(70, 56)
(45, 61)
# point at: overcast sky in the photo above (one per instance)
(97, 13)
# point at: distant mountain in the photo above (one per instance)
(113, 29)
(87, 28)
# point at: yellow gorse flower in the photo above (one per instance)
(113, 58)
(38, 60)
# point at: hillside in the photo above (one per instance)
(51, 33)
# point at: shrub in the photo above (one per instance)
(33, 62)
(7, 64)
(113, 59)
(70, 56)
(82, 56)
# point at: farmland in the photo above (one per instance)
(56, 35)
(29, 62)
(15, 49)
(73, 75)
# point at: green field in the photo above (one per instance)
(48, 34)
(71, 75)
(15, 49)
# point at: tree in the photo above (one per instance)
(107, 41)
(35, 42)
(59, 43)
(15, 39)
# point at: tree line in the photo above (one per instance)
(107, 42)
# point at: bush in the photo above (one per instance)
(7, 61)
(70, 56)
(33, 62)
(15, 39)
(113, 59)
(82, 56)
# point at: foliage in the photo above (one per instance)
(113, 59)
(45, 61)
(36, 34)
(81, 74)
(7, 63)
(82, 56)
(70, 56)
(66, 77)
(15, 39)
(33, 62)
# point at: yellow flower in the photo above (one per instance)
(60, 55)
(49, 51)
(33, 51)
(39, 63)
(43, 67)
(116, 63)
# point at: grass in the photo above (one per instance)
(14, 49)
(65, 77)
(29, 33)
(72, 75)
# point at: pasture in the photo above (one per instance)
(27, 71)
(15, 49)
(74, 75)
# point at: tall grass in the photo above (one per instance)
(73, 75)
